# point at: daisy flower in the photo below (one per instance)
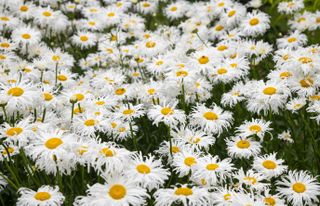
(299, 188)
(176, 10)
(293, 40)
(45, 195)
(269, 165)
(185, 161)
(129, 112)
(167, 113)
(294, 105)
(116, 191)
(234, 96)
(19, 133)
(87, 124)
(251, 179)
(289, 7)
(108, 158)
(254, 127)
(242, 147)
(222, 196)
(192, 196)
(195, 138)
(271, 199)
(50, 149)
(266, 97)
(213, 120)
(84, 39)
(212, 169)
(147, 171)
(8, 151)
(286, 136)
(26, 35)
(255, 23)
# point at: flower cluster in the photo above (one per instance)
(118, 103)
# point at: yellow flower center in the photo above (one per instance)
(15, 91)
(233, 65)
(254, 21)
(189, 161)
(210, 116)
(62, 77)
(252, 180)
(151, 91)
(285, 57)
(26, 36)
(84, 38)
(268, 164)
(107, 152)
(160, 62)
(4, 18)
(128, 111)
(5, 45)
(14, 131)
(90, 122)
(174, 8)
(46, 13)
(269, 201)
(222, 47)
(100, 103)
(120, 91)
(185, 191)
(255, 128)
(8, 150)
(305, 60)
(42, 196)
(79, 96)
(111, 14)
(24, 8)
(150, 44)
(292, 39)
(92, 23)
(203, 60)
(299, 187)
(243, 144)
(219, 27)
(122, 129)
(78, 110)
(83, 150)
(314, 97)
(143, 169)
(114, 38)
(53, 143)
(182, 73)
(308, 82)
(297, 106)
(284, 75)
(222, 71)
(146, 5)
(47, 96)
(166, 111)
(231, 13)
(269, 91)
(221, 4)
(175, 149)
(212, 166)
(117, 191)
(227, 196)
(56, 58)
